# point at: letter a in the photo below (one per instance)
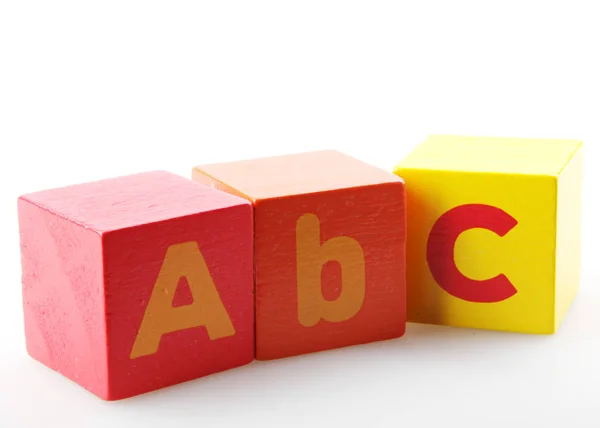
(182, 260)
(310, 258)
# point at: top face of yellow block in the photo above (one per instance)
(492, 154)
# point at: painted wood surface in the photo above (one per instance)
(493, 231)
(140, 282)
(137, 283)
(329, 249)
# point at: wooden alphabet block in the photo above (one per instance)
(137, 283)
(493, 231)
(329, 249)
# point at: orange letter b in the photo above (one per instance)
(310, 258)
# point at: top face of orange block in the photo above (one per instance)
(296, 174)
(123, 202)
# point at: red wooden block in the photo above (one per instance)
(137, 283)
(329, 249)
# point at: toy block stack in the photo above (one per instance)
(136, 283)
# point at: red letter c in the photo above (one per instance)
(440, 252)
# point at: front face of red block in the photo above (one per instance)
(179, 299)
(330, 270)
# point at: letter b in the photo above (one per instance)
(311, 256)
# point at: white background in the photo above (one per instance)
(90, 90)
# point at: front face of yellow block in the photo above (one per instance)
(481, 249)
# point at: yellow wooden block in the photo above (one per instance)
(494, 227)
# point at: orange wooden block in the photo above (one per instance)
(329, 249)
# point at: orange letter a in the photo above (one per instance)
(182, 260)
(310, 258)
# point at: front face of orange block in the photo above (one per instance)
(329, 270)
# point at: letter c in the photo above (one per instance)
(440, 252)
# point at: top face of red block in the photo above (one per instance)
(119, 203)
(297, 174)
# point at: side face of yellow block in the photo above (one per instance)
(568, 238)
(491, 223)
